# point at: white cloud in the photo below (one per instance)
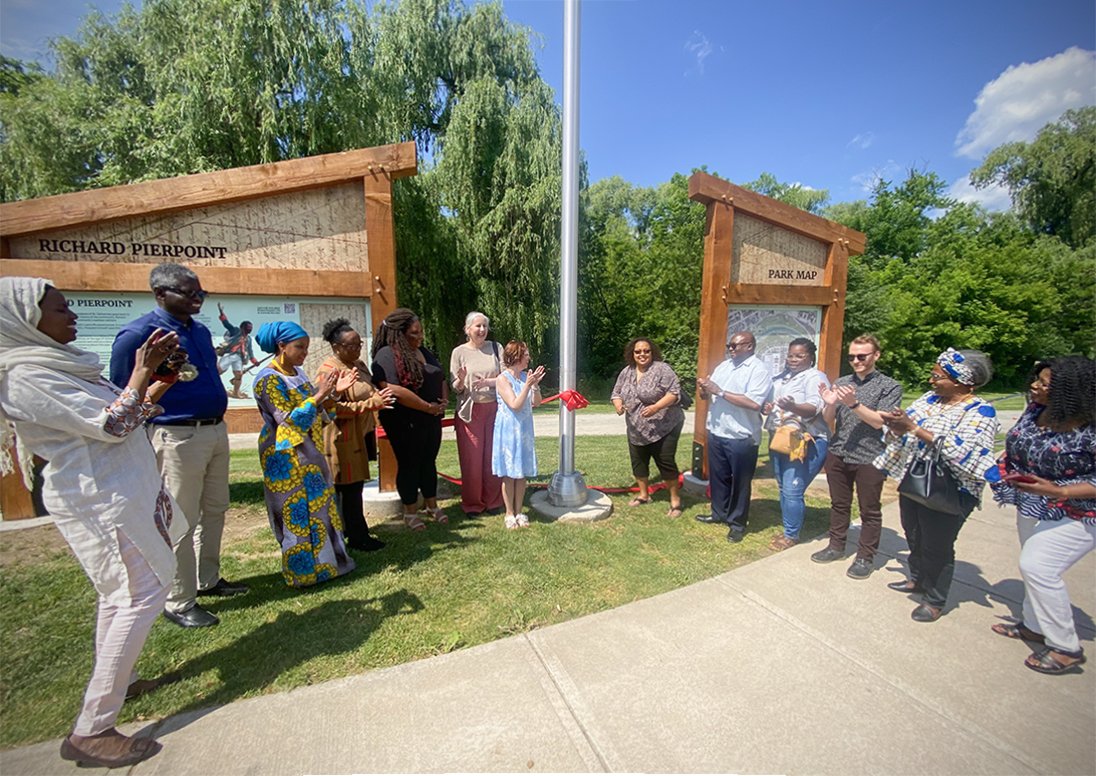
(992, 197)
(862, 140)
(1019, 102)
(700, 48)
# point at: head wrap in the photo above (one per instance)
(22, 344)
(952, 362)
(270, 335)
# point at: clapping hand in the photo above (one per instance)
(536, 376)
(159, 346)
(786, 403)
(386, 394)
(462, 374)
(346, 379)
(327, 384)
(897, 421)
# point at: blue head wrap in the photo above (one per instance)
(952, 362)
(270, 335)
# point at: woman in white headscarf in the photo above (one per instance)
(101, 486)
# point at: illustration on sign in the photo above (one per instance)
(774, 328)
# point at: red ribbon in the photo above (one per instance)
(572, 400)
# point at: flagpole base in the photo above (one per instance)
(567, 490)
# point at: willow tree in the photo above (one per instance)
(185, 86)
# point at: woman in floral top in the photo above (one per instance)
(1049, 474)
(299, 491)
(963, 428)
(647, 393)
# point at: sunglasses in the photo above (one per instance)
(641, 352)
(198, 295)
(859, 357)
(736, 345)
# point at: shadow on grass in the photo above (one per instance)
(247, 493)
(249, 664)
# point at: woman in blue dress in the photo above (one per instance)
(513, 456)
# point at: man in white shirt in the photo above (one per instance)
(737, 390)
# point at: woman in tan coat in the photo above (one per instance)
(345, 439)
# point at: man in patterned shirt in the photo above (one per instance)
(852, 406)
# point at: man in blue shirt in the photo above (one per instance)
(737, 389)
(191, 442)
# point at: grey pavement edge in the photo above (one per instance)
(780, 666)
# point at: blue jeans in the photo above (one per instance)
(793, 477)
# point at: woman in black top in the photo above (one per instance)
(413, 424)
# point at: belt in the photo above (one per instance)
(193, 422)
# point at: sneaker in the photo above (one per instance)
(828, 555)
(861, 568)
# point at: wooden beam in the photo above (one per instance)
(380, 226)
(191, 191)
(708, 188)
(108, 276)
(756, 293)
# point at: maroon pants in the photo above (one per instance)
(868, 481)
(480, 489)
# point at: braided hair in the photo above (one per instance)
(393, 333)
(1071, 397)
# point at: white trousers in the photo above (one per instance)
(1048, 548)
(120, 634)
(194, 463)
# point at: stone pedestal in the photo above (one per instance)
(694, 486)
(598, 506)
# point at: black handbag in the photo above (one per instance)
(930, 483)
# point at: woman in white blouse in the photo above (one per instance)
(101, 486)
(797, 402)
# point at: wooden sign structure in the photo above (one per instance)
(771, 268)
(304, 230)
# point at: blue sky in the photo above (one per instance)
(831, 95)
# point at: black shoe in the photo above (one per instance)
(904, 586)
(194, 617)
(926, 613)
(225, 588)
(368, 544)
(827, 555)
(734, 537)
(861, 568)
(707, 519)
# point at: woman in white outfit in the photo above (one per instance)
(101, 486)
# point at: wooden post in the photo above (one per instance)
(380, 227)
(711, 348)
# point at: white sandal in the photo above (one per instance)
(511, 522)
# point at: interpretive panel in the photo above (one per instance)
(102, 314)
(774, 327)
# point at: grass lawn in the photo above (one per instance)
(450, 587)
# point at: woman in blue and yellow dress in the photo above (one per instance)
(299, 490)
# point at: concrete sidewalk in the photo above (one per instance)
(781, 666)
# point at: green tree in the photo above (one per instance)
(185, 86)
(1052, 180)
(794, 194)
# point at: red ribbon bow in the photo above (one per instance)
(572, 400)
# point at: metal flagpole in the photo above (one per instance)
(567, 488)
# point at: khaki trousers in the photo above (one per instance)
(194, 463)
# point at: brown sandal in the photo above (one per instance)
(675, 511)
(1017, 631)
(781, 543)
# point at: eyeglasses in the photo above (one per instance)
(199, 295)
(935, 378)
(859, 357)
